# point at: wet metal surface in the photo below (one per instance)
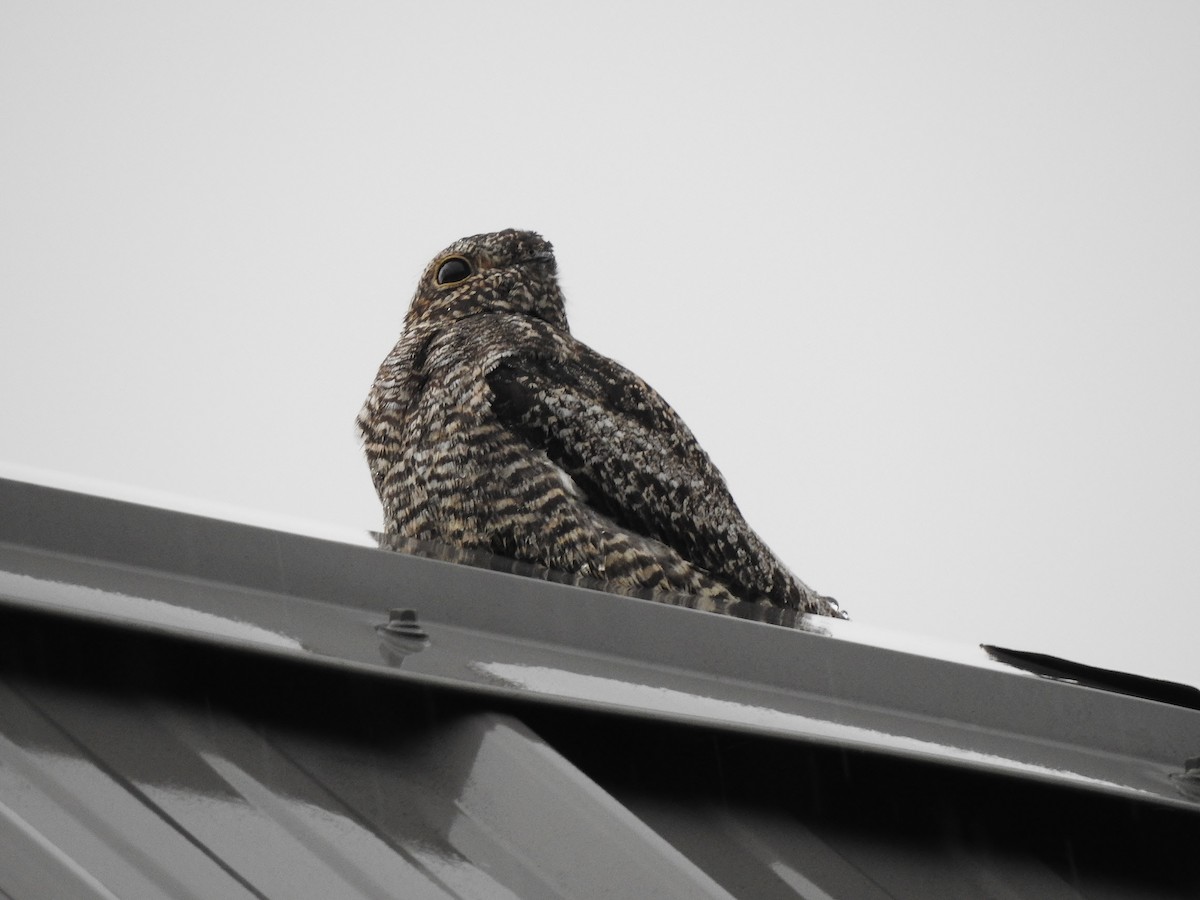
(511, 635)
(193, 708)
(146, 766)
(147, 799)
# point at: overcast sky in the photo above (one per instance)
(924, 278)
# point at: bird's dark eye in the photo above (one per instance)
(453, 270)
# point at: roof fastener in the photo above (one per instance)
(403, 623)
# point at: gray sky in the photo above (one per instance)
(924, 278)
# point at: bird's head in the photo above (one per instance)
(505, 271)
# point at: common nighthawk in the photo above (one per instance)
(490, 428)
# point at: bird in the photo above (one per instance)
(491, 429)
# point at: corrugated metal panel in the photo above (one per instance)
(194, 709)
(129, 795)
(147, 766)
(514, 636)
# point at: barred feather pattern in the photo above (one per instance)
(489, 428)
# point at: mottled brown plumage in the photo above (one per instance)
(490, 428)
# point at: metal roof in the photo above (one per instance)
(198, 708)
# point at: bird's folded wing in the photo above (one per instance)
(634, 458)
